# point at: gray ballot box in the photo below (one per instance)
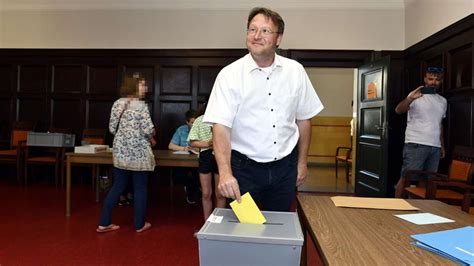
(50, 139)
(277, 242)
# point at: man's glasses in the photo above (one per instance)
(263, 31)
(435, 70)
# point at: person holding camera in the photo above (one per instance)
(426, 109)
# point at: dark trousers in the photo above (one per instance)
(271, 185)
(140, 184)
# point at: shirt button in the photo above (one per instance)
(274, 142)
(273, 126)
(271, 110)
(275, 158)
(268, 78)
(269, 93)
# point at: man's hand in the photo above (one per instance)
(229, 187)
(404, 105)
(415, 94)
(302, 174)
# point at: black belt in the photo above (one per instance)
(259, 164)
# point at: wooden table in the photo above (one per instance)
(162, 157)
(349, 236)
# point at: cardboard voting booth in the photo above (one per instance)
(225, 241)
(50, 139)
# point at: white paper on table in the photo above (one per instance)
(424, 218)
(181, 152)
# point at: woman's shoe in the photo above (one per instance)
(105, 229)
(144, 228)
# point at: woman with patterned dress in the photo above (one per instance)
(133, 130)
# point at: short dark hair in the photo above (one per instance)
(435, 70)
(268, 13)
(191, 113)
(129, 84)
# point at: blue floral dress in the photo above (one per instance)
(131, 146)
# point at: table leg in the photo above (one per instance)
(171, 185)
(304, 258)
(68, 187)
(97, 181)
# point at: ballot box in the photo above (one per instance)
(225, 241)
(50, 139)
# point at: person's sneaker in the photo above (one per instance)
(189, 199)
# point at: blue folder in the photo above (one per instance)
(456, 244)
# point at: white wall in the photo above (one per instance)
(426, 17)
(334, 87)
(317, 28)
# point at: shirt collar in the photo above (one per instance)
(250, 64)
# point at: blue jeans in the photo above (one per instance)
(140, 186)
(420, 157)
(272, 185)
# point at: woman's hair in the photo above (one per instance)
(129, 84)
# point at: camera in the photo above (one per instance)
(428, 90)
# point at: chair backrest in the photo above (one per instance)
(462, 165)
(20, 132)
(94, 135)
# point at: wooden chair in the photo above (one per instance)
(467, 202)
(344, 155)
(47, 156)
(15, 152)
(449, 188)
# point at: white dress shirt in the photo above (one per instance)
(261, 105)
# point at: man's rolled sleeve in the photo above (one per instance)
(309, 103)
(222, 105)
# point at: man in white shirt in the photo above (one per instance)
(424, 144)
(261, 108)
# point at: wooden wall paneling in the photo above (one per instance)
(330, 58)
(156, 111)
(6, 80)
(7, 107)
(67, 113)
(98, 113)
(460, 121)
(5, 119)
(176, 80)
(460, 65)
(33, 78)
(33, 93)
(413, 77)
(103, 79)
(34, 109)
(68, 79)
(206, 76)
(172, 115)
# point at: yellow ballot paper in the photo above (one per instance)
(247, 211)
